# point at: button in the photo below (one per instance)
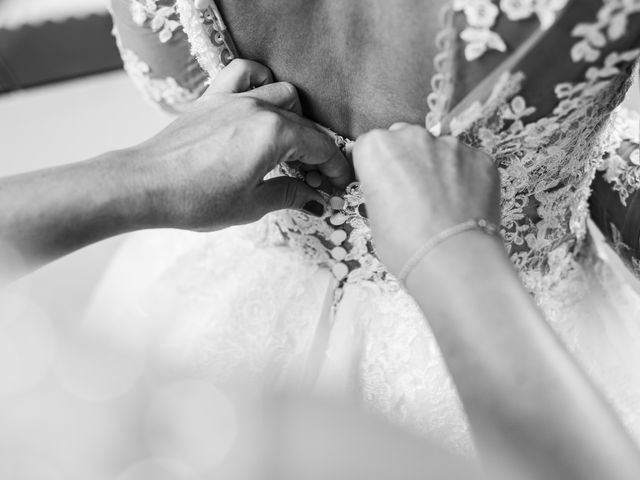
(340, 270)
(339, 253)
(338, 219)
(201, 4)
(338, 237)
(314, 179)
(337, 203)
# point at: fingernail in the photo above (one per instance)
(314, 208)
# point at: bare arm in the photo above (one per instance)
(50, 213)
(530, 406)
(204, 172)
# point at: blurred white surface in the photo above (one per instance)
(15, 13)
(50, 430)
(64, 123)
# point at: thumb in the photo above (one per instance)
(290, 193)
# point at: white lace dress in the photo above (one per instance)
(278, 301)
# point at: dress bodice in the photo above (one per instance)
(235, 301)
(547, 156)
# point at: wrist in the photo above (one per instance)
(460, 260)
(138, 188)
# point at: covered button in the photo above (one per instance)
(338, 237)
(337, 203)
(339, 253)
(340, 270)
(338, 219)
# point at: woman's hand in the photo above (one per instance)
(523, 393)
(206, 170)
(417, 185)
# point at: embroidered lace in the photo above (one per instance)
(547, 164)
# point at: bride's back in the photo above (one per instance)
(361, 64)
(358, 64)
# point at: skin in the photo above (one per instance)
(365, 64)
(341, 55)
(524, 396)
(204, 172)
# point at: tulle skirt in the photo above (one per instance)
(233, 304)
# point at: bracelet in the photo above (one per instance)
(478, 224)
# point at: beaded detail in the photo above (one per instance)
(210, 41)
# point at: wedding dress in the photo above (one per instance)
(291, 302)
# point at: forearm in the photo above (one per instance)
(50, 213)
(525, 398)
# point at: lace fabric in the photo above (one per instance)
(160, 18)
(173, 92)
(164, 91)
(280, 314)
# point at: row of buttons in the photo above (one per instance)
(338, 237)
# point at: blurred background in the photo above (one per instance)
(65, 98)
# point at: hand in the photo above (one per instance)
(206, 170)
(417, 185)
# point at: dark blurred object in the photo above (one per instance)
(54, 51)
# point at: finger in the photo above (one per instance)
(241, 76)
(398, 126)
(366, 152)
(289, 193)
(280, 94)
(303, 142)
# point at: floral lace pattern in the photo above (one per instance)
(210, 42)
(482, 15)
(544, 244)
(546, 167)
(160, 18)
(611, 25)
(546, 177)
(165, 91)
